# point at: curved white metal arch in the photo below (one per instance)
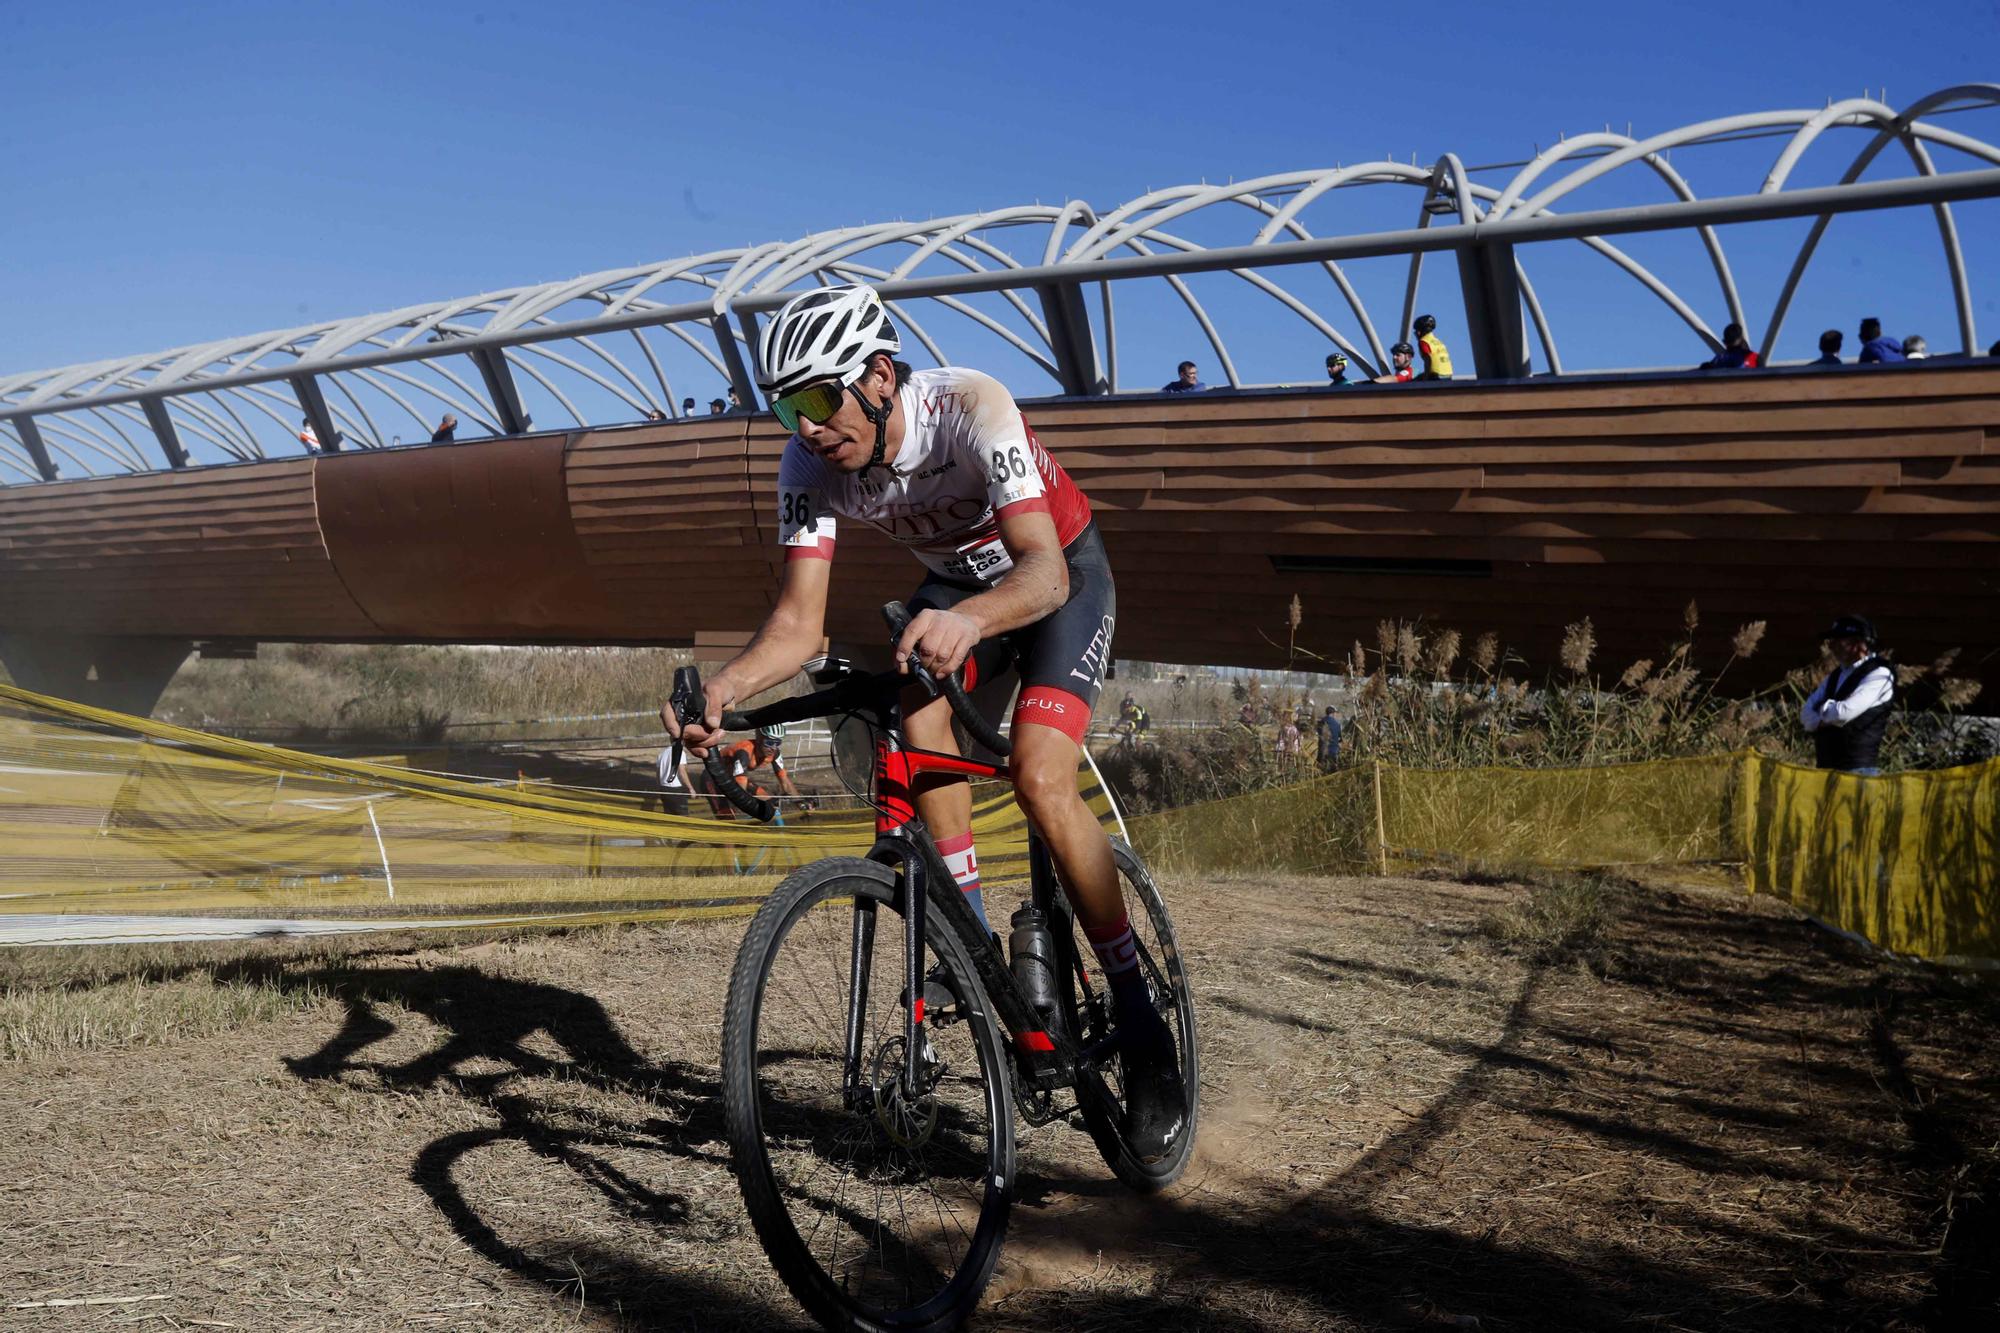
(381, 359)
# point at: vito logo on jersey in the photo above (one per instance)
(949, 400)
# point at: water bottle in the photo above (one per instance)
(1033, 953)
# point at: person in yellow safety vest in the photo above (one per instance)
(1437, 360)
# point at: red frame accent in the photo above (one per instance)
(896, 771)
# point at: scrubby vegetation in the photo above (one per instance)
(311, 691)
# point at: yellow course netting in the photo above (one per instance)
(109, 814)
(1911, 862)
(105, 813)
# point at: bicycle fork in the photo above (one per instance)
(1045, 1058)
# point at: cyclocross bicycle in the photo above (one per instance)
(873, 1134)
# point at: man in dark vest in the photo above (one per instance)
(1850, 709)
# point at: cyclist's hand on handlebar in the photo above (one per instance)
(717, 695)
(941, 641)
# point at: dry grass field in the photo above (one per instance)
(1429, 1104)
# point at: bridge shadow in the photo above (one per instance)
(1350, 1251)
(1358, 1249)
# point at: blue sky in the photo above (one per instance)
(186, 172)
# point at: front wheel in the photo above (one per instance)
(879, 1208)
(1087, 1007)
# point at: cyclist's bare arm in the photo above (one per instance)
(788, 639)
(1034, 588)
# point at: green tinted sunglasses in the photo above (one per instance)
(816, 403)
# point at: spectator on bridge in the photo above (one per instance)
(1829, 348)
(1848, 711)
(1400, 370)
(1875, 347)
(1328, 734)
(1185, 380)
(687, 407)
(655, 414)
(735, 402)
(1437, 361)
(1336, 371)
(1736, 353)
(1915, 348)
(717, 407)
(310, 437)
(447, 431)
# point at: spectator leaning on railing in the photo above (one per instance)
(1336, 371)
(1400, 370)
(1849, 710)
(1185, 380)
(1736, 353)
(1875, 347)
(1430, 347)
(1915, 348)
(1829, 348)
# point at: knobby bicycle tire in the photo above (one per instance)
(812, 1165)
(1086, 1010)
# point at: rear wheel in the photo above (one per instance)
(880, 1209)
(1088, 1011)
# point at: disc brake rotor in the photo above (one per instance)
(908, 1122)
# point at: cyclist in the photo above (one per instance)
(943, 463)
(1437, 360)
(745, 758)
(1400, 371)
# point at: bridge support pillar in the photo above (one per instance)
(38, 449)
(1069, 338)
(1496, 323)
(512, 417)
(105, 671)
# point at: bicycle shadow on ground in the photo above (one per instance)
(571, 1097)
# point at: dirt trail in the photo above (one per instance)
(1731, 1122)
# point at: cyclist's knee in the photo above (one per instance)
(928, 722)
(1044, 784)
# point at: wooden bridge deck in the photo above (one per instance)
(1786, 496)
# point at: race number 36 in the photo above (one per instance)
(1010, 463)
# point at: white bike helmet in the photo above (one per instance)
(825, 334)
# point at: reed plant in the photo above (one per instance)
(1425, 697)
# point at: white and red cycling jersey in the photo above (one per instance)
(967, 457)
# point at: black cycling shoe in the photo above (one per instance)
(1155, 1100)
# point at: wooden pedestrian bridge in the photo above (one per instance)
(1786, 496)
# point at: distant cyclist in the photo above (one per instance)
(744, 759)
(942, 462)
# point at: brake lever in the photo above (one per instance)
(687, 701)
